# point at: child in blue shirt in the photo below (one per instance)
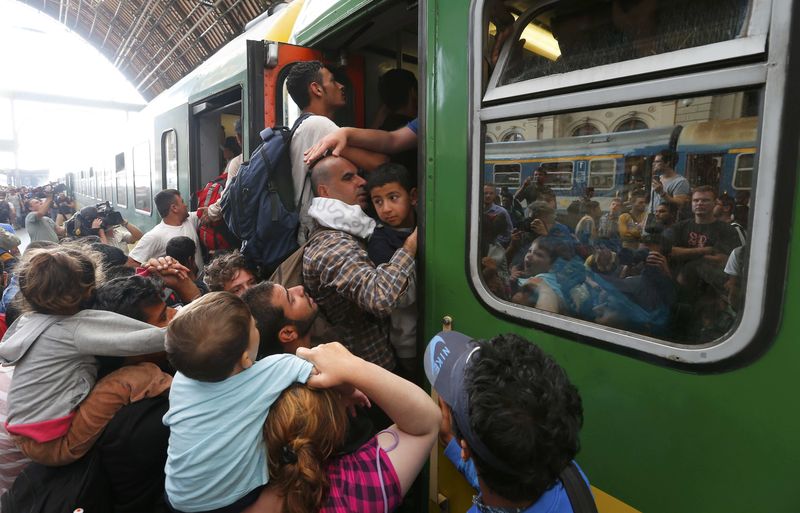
(394, 197)
(219, 400)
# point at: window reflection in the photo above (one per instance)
(579, 35)
(641, 230)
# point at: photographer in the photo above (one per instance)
(106, 223)
(41, 227)
(65, 206)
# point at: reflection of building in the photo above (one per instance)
(26, 177)
(631, 117)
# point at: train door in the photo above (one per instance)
(703, 169)
(213, 133)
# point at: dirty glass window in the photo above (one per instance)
(121, 180)
(142, 191)
(607, 228)
(743, 175)
(507, 174)
(169, 159)
(572, 35)
(601, 173)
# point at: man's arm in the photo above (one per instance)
(379, 141)
(44, 207)
(679, 253)
(136, 233)
(364, 159)
(344, 266)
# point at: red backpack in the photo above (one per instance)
(214, 236)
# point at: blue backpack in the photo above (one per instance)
(258, 206)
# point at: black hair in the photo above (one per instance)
(164, 200)
(119, 271)
(232, 145)
(223, 269)
(524, 409)
(181, 249)
(111, 255)
(387, 173)
(669, 157)
(395, 87)
(269, 318)
(128, 296)
(302, 75)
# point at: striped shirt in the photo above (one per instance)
(355, 296)
(355, 484)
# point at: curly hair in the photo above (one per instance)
(58, 280)
(303, 430)
(223, 269)
(524, 409)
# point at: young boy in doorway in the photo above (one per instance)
(394, 197)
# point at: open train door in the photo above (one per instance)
(268, 101)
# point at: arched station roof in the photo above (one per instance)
(155, 43)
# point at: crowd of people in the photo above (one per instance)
(166, 377)
(666, 264)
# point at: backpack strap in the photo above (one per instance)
(272, 188)
(580, 496)
(297, 124)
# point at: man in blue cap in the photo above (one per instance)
(511, 420)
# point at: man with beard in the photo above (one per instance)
(283, 317)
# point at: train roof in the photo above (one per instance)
(599, 144)
(730, 132)
(228, 63)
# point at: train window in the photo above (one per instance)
(743, 173)
(608, 252)
(602, 173)
(169, 159)
(507, 175)
(567, 36)
(108, 185)
(92, 183)
(142, 192)
(559, 174)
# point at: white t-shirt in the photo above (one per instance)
(307, 135)
(119, 237)
(154, 242)
(733, 267)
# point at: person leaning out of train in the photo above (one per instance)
(510, 421)
(306, 428)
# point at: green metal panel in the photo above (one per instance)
(336, 19)
(656, 438)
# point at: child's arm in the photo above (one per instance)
(110, 334)
(415, 415)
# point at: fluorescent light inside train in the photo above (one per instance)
(537, 40)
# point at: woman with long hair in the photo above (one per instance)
(305, 431)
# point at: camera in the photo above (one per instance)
(80, 224)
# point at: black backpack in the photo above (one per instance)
(258, 206)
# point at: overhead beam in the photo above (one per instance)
(70, 100)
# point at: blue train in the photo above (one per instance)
(717, 153)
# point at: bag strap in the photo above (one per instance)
(580, 496)
(272, 189)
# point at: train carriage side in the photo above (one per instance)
(688, 426)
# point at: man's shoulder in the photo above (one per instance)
(312, 125)
(330, 244)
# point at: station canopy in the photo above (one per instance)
(155, 43)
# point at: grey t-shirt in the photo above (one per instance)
(40, 228)
(675, 186)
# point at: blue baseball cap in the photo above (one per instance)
(447, 360)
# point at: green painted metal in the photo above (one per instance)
(659, 439)
(336, 18)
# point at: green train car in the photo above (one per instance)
(691, 416)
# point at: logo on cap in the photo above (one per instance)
(438, 354)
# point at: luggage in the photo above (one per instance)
(258, 206)
(215, 235)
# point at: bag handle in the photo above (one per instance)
(580, 496)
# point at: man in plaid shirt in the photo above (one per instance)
(355, 296)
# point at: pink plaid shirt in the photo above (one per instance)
(355, 484)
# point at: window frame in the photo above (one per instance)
(507, 172)
(165, 160)
(736, 170)
(120, 169)
(613, 161)
(134, 166)
(768, 254)
(752, 45)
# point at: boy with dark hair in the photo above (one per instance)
(394, 197)
(136, 297)
(511, 420)
(230, 272)
(216, 457)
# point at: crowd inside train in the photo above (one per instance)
(170, 377)
(666, 260)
